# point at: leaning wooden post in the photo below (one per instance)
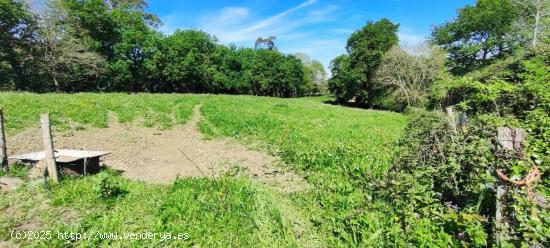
(3, 152)
(463, 121)
(49, 154)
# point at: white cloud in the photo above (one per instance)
(231, 24)
(226, 17)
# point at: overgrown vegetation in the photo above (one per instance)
(443, 186)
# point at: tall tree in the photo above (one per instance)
(478, 35)
(405, 78)
(313, 69)
(188, 58)
(365, 49)
(533, 19)
(342, 84)
(68, 63)
(17, 35)
(121, 31)
(265, 43)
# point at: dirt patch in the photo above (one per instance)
(151, 155)
(7, 244)
(9, 183)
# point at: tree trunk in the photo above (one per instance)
(538, 5)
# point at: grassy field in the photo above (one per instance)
(337, 149)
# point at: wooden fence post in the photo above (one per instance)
(509, 139)
(463, 122)
(49, 158)
(3, 149)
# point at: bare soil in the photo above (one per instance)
(156, 156)
(9, 183)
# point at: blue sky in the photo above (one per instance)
(318, 28)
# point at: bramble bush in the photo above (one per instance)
(442, 185)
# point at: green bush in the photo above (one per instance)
(442, 185)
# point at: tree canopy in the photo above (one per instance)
(96, 45)
(480, 34)
(353, 74)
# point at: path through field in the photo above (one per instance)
(151, 155)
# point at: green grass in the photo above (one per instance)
(338, 150)
(16, 170)
(23, 110)
(214, 213)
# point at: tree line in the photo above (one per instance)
(114, 45)
(378, 72)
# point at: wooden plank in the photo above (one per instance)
(61, 155)
(49, 157)
(509, 139)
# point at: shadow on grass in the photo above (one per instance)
(363, 106)
(348, 104)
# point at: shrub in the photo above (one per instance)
(442, 185)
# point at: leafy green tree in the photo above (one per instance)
(533, 20)
(233, 69)
(97, 27)
(274, 74)
(17, 35)
(265, 43)
(342, 84)
(479, 35)
(405, 78)
(365, 48)
(68, 63)
(188, 61)
(121, 31)
(130, 52)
